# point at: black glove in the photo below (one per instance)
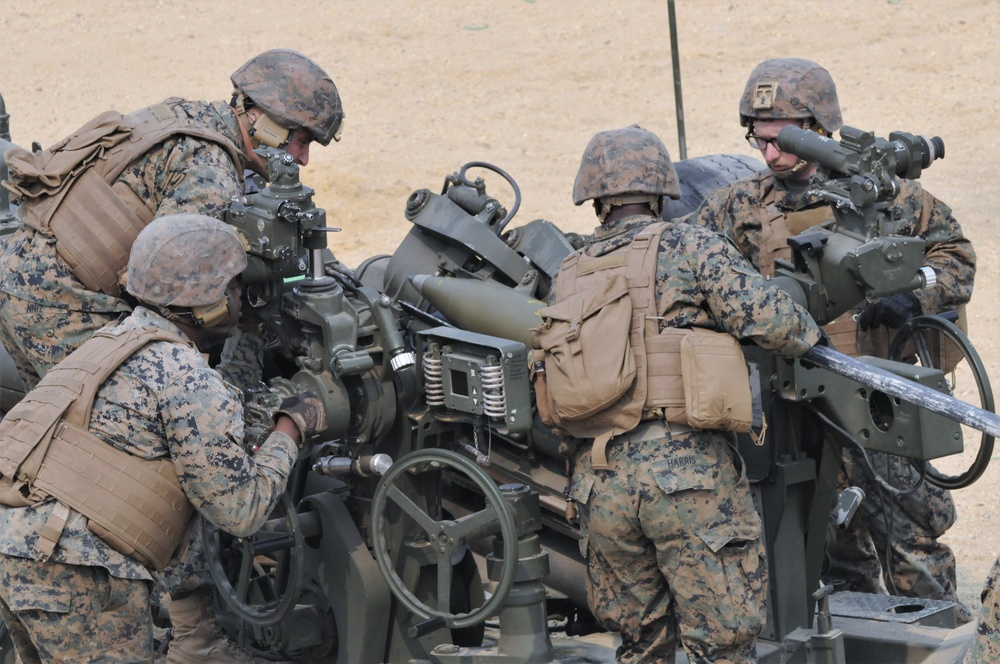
(306, 410)
(891, 311)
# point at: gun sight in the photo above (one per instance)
(903, 154)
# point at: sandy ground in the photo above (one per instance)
(523, 84)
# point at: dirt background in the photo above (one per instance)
(524, 84)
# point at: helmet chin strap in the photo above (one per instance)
(604, 204)
(241, 110)
(210, 316)
(797, 168)
(801, 163)
(246, 122)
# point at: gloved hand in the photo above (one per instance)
(306, 410)
(891, 310)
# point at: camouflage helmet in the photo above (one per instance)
(294, 91)
(791, 88)
(625, 161)
(184, 260)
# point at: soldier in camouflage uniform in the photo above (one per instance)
(281, 98)
(893, 538)
(674, 550)
(83, 600)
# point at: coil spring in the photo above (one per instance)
(433, 380)
(494, 397)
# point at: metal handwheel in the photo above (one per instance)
(915, 331)
(445, 536)
(259, 577)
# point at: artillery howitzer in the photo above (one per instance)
(388, 564)
(378, 550)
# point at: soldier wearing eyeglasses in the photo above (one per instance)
(895, 538)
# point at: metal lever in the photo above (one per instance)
(424, 627)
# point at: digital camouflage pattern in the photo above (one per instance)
(674, 554)
(294, 91)
(625, 161)
(986, 642)
(736, 211)
(242, 361)
(702, 281)
(674, 549)
(166, 402)
(898, 534)
(790, 88)
(164, 256)
(66, 613)
(45, 312)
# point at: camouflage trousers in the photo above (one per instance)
(188, 570)
(39, 337)
(57, 612)
(985, 647)
(893, 539)
(673, 548)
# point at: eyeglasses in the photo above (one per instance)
(760, 143)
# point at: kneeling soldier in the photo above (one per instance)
(107, 461)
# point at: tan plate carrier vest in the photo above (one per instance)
(135, 505)
(660, 389)
(70, 190)
(777, 226)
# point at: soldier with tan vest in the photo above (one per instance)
(105, 463)
(895, 538)
(83, 200)
(639, 355)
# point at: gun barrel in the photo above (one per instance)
(926, 397)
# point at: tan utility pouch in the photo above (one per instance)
(716, 382)
(699, 377)
(539, 378)
(664, 380)
(96, 232)
(598, 319)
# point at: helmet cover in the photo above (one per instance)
(294, 91)
(791, 88)
(184, 260)
(625, 161)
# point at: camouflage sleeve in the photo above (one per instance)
(185, 174)
(948, 251)
(203, 421)
(723, 213)
(741, 302)
(241, 363)
(711, 213)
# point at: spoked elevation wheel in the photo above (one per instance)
(259, 577)
(936, 342)
(443, 537)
